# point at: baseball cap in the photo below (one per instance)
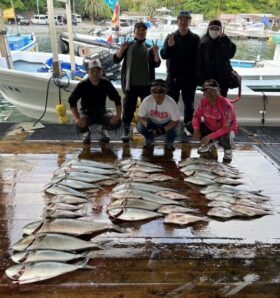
(210, 84)
(184, 14)
(94, 63)
(140, 25)
(215, 23)
(159, 83)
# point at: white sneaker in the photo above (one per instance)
(206, 148)
(187, 133)
(228, 155)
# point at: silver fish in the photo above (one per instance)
(68, 199)
(57, 189)
(172, 195)
(141, 186)
(166, 209)
(73, 227)
(219, 204)
(76, 184)
(224, 197)
(85, 177)
(132, 193)
(45, 255)
(228, 181)
(37, 271)
(139, 179)
(89, 163)
(199, 180)
(222, 212)
(64, 206)
(64, 213)
(135, 174)
(139, 162)
(132, 214)
(53, 241)
(248, 211)
(250, 203)
(141, 168)
(160, 177)
(134, 203)
(182, 218)
(85, 169)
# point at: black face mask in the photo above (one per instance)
(139, 41)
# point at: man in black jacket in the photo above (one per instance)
(93, 93)
(138, 70)
(180, 52)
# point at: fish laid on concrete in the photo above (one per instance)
(135, 174)
(222, 212)
(73, 227)
(141, 186)
(139, 179)
(85, 177)
(166, 209)
(160, 177)
(68, 199)
(53, 241)
(145, 195)
(199, 180)
(76, 184)
(172, 195)
(89, 163)
(182, 218)
(249, 211)
(250, 203)
(64, 213)
(134, 203)
(132, 162)
(64, 206)
(57, 189)
(37, 271)
(45, 255)
(132, 214)
(224, 197)
(85, 169)
(219, 204)
(141, 168)
(228, 181)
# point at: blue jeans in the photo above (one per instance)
(170, 135)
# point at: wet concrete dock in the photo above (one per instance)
(234, 258)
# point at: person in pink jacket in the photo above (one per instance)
(214, 121)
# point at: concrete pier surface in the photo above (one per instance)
(233, 258)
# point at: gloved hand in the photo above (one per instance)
(157, 131)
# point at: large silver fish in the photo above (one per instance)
(132, 214)
(134, 203)
(182, 218)
(53, 241)
(37, 271)
(172, 195)
(64, 206)
(69, 226)
(45, 255)
(199, 180)
(85, 177)
(249, 211)
(166, 209)
(85, 169)
(139, 162)
(222, 212)
(57, 189)
(141, 186)
(64, 213)
(141, 168)
(89, 163)
(68, 199)
(76, 184)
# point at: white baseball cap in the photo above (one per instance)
(94, 63)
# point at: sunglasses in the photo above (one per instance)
(158, 91)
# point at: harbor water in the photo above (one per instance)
(246, 50)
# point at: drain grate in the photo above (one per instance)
(243, 137)
(5, 127)
(272, 151)
(267, 134)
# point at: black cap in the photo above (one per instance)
(211, 84)
(140, 25)
(159, 83)
(184, 14)
(216, 23)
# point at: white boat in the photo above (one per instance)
(27, 90)
(22, 42)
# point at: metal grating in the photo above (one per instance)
(5, 127)
(243, 137)
(272, 151)
(266, 134)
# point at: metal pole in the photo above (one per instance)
(38, 10)
(70, 35)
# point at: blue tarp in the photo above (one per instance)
(111, 3)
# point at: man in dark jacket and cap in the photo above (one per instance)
(138, 70)
(180, 52)
(213, 57)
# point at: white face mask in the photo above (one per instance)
(214, 33)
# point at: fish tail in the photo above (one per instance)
(117, 228)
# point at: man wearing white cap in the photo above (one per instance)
(93, 92)
(214, 120)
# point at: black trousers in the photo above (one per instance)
(101, 117)
(224, 140)
(188, 93)
(130, 101)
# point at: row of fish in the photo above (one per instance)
(228, 195)
(53, 241)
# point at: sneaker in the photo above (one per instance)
(169, 146)
(187, 133)
(86, 137)
(104, 135)
(126, 134)
(228, 156)
(206, 148)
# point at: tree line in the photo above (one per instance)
(96, 9)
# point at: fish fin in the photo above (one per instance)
(117, 228)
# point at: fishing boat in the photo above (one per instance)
(22, 42)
